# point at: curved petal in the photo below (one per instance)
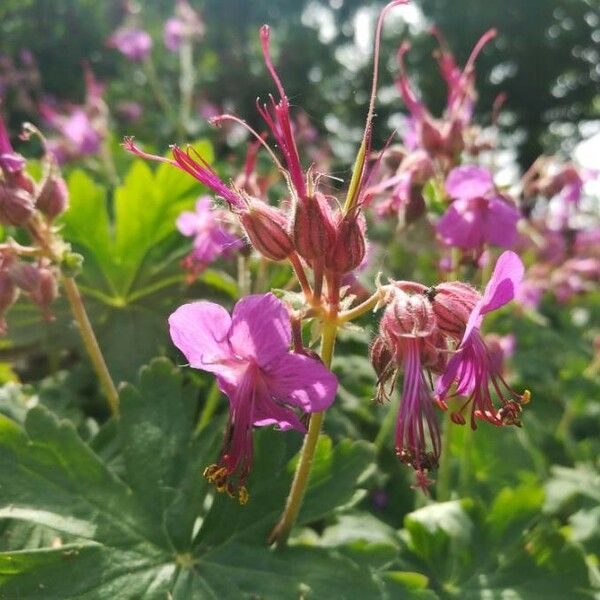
(469, 181)
(199, 330)
(267, 412)
(460, 225)
(499, 223)
(260, 328)
(504, 282)
(301, 381)
(500, 290)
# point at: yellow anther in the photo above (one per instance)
(526, 397)
(243, 495)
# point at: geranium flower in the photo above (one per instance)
(249, 354)
(472, 368)
(133, 43)
(478, 215)
(211, 239)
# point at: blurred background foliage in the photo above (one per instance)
(545, 59)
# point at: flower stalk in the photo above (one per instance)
(282, 530)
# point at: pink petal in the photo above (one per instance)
(499, 225)
(500, 290)
(504, 282)
(460, 225)
(260, 328)
(302, 381)
(187, 223)
(200, 331)
(267, 412)
(469, 181)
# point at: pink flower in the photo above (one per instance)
(472, 369)
(135, 44)
(185, 24)
(81, 127)
(478, 215)
(211, 239)
(249, 354)
(10, 161)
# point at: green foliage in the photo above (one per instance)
(158, 527)
(132, 277)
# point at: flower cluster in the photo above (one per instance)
(32, 207)
(438, 329)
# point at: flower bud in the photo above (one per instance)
(8, 291)
(16, 206)
(408, 316)
(266, 228)
(454, 141)
(385, 365)
(313, 229)
(452, 304)
(23, 181)
(26, 276)
(431, 138)
(8, 296)
(348, 250)
(46, 292)
(54, 197)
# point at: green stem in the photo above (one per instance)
(91, 343)
(387, 424)
(157, 89)
(282, 530)
(209, 408)
(186, 85)
(361, 309)
(444, 471)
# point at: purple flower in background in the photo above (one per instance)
(211, 239)
(133, 43)
(173, 33)
(185, 24)
(10, 161)
(472, 368)
(81, 128)
(249, 354)
(478, 215)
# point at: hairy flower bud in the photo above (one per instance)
(348, 250)
(8, 296)
(266, 228)
(452, 304)
(431, 137)
(16, 206)
(313, 229)
(408, 316)
(22, 180)
(385, 365)
(46, 291)
(26, 276)
(54, 197)
(454, 141)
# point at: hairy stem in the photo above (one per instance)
(91, 343)
(282, 530)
